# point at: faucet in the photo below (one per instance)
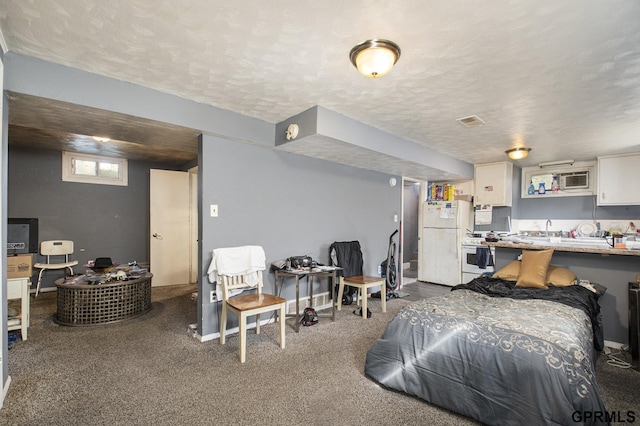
(546, 227)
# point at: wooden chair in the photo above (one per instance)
(348, 256)
(58, 248)
(247, 305)
(363, 283)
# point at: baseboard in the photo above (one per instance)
(320, 301)
(234, 330)
(614, 345)
(42, 290)
(5, 390)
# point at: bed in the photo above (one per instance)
(498, 352)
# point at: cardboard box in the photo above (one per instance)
(20, 266)
(463, 197)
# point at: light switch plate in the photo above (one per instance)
(214, 210)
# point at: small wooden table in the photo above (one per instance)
(90, 304)
(331, 274)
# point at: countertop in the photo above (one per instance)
(560, 247)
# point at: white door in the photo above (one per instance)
(169, 227)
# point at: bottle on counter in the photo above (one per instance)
(532, 189)
(554, 184)
(541, 188)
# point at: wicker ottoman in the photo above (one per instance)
(90, 304)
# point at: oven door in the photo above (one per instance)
(470, 264)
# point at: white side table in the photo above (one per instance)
(18, 288)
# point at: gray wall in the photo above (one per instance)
(290, 205)
(293, 203)
(104, 220)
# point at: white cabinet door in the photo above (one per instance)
(493, 184)
(618, 176)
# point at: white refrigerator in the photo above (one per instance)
(444, 225)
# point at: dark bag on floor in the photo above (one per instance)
(309, 317)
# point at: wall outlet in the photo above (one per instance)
(212, 296)
(379, 269)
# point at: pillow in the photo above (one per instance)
(508, 272)
(560, 277)
(533, 268)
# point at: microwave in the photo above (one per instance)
(574, 180)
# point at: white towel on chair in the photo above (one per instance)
(243, 260)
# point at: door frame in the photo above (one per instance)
(403, 221)
(193, 225)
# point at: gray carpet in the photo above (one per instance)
(149, 370)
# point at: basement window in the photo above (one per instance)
(85, 168)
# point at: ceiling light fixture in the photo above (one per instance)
(375, 58)
(518, 153)
(101, 138)
(556, 163)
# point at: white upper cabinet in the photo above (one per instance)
(493, 184)
(618, 178)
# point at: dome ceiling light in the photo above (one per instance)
(375, 58)
(518, 153)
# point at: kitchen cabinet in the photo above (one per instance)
(618, 176)
(493, 184)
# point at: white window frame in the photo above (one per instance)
(68, 174)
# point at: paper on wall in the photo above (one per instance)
(484, 214)
(448, 211)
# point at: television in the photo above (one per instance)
(22, 235)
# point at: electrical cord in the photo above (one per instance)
(614, 361)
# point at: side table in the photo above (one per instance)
(18, 288)
(310, 274)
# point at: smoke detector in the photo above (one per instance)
(292, 131)
(471, 121)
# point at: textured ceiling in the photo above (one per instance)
(47, 124)
(561, 77)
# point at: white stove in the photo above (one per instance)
(472, 241)
(470, 268)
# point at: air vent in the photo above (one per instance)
(471, 121)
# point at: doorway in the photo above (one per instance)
(173, 221)
(410, 227)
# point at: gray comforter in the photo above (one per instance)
(496, 359)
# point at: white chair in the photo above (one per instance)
(57, 248)
(247, 305)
